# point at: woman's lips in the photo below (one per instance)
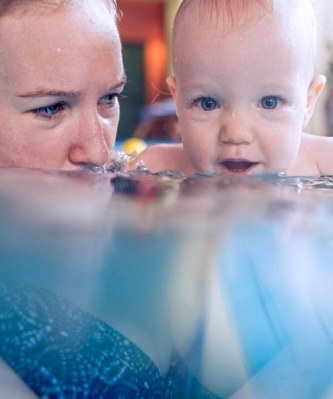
(238, 166)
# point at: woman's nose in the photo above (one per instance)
(93, 142)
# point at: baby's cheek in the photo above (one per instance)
(286, 153)
(202, 159)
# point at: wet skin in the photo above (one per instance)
(61, 74)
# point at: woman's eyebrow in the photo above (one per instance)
(119, 85)
(46, 92)
(122, 82)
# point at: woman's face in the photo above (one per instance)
(61, 73)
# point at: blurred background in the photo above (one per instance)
(145, 29)
(146, 110)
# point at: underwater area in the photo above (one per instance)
(117, 285)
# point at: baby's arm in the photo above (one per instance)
(324, 155)
(161, 157)
(319, 149)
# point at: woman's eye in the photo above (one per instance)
(49, 111)
(270, 102)
(110, 99)
(206, 103)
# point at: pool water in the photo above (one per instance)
(141, 285)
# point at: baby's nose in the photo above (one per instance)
(235, 129)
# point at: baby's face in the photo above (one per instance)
(61, 73)
(242, 98)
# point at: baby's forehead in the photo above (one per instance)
(227, 13)
(231, 14)
(208, 17)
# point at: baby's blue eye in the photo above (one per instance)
(208, 104)
(270, 102)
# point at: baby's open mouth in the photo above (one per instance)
(238, 166)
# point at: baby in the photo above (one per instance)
(61, 73)
(245, 88)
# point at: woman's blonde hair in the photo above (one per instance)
(10, 6)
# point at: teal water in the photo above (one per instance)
(231, 276)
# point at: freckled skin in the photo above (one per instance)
(61, 71)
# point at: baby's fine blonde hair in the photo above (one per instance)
(232, 14)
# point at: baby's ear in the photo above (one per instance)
(171, 82)
(314, 91)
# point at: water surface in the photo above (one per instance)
(226, 278)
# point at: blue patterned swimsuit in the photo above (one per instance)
(61, 352)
